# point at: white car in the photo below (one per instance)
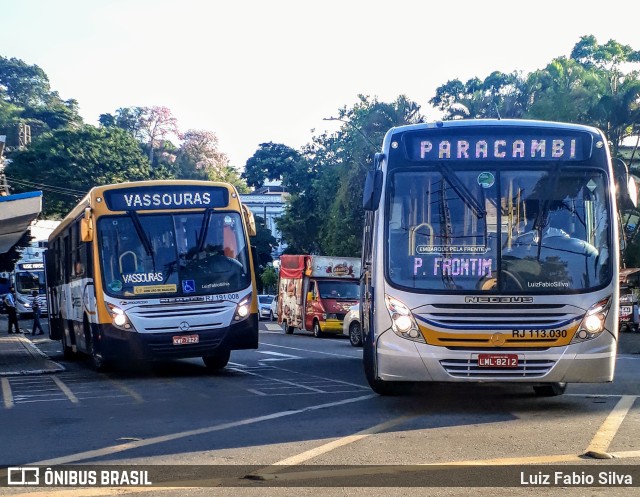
(352, 327)
(264, 306)
(274, 309)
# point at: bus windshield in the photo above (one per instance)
(539, 230)
(168, 255)
(27, 281)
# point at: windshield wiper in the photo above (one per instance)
(462, 191)
(141, 234)
(204, 229)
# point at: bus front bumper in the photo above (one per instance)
(399, 359)
(117, 344)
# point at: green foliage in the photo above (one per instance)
(23, 85)
(264, 243)
(70, 161)
(269, 279)
(272, 161)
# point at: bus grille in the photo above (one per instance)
(468, 368)
(479, 317)
(168, 319)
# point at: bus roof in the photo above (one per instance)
(98, 191)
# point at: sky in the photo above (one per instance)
(256, 71)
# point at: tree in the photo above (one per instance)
(66, 163)
(151, 126)
(617, 110)
(200, 158)
(264, 243)
(22, 84)
(269, 279)
(498, 95)
(272, 161)
(563, 91)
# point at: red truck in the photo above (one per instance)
(315, 292)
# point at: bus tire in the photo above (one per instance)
(378, 386)
(67, 351)
(550, 389)
(217, 361)
(98, 362)
(317, 331)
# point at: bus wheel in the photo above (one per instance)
(67, 351)
(287, 329)
(355, 334)
(378, 386)
(550, 390)
(217, 361)
(317, 332)
(99, 364)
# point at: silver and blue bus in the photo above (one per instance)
(490, 254)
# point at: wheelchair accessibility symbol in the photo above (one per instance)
(188, 286)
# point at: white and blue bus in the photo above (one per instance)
(154, 270)
(490, 254)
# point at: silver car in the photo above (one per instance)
(264, 306)
(352, 327)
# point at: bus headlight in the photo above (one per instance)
(592, 324)
(402, 321)
(118, 317)
(242, 311)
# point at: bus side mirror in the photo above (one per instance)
(372, 190)
(249, 220)
(309, 296)
(86, 226)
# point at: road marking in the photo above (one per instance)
(273, 327)
(278, 354)
(609, 428)
(6, 393)
(341, 442)
(115, 449)
(323, 378)
(285, 382)
(121, 386)
(312, 351)
(66, 390)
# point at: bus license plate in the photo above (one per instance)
(497, 360)
(185, 339)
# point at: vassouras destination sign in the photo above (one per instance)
(498, 147)
(166, 197)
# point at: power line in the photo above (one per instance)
(50, 188)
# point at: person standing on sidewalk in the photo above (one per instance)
(37, 311)
(10, 304)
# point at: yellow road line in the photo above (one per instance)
(6, 393)
(129, 391)
(609, 428)
(341, 442)
(115, 449)
(66, 390)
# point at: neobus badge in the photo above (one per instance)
(166, 197)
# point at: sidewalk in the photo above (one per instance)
(19, 356)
